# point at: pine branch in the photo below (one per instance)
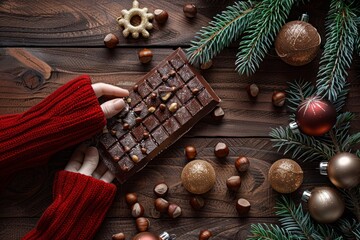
(297, 92)
(302, 146)
(260, 34)
(350, 230)
(339, 103)
(221, 31)
(269, 232)
(341, 34)
(352, 200)
(341, 130)
(351, 141)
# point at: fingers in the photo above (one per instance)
(76, 159)
(100, 170)
(112, 107)
(101, 89)
(91, 160)
(107, 177)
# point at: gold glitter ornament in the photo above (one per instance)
(198, 176)
(285, 175)
(297, 42)
(127, 19)
(325, 204)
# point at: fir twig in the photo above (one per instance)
(259, 36)
(349, 229)
(269, 232)
(341, 34)
(302, 146)
(297, 92)
(352, 200)
(341, 130)
(221, 31)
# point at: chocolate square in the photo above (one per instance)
(154, 80)
(160, 135)
(138, 132)
(133, 99)
(125, 164)
(204, 97)
(137, 152)
(174, 81)
(174, 99)
(144, 89)
(184, 94)
(195, 83)
(162, 115)
(116, 152)
(128, 141)
(177, 62)
(118, 130)
(182, 115)
(130, 119)
(141, 110)
(149, 144)
(164, 69)
(171, 125)
(185, 73)
(193, 106)
(106, 140)
(151, 122)
(150, 102)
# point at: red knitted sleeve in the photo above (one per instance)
(68, 116)
(79, 207)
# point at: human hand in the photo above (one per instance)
(114, 106)
(85, 160)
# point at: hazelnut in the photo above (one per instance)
(131, 198)
(111, 40)
(162, 107)
(190, 152)
(137, 210)
(221, 150)
(252, 90)
(242, 164)
(142, 224)
(136, 88)
(243, 206)
(118, 236)
(161, 189)
(138, 120)
(145, 55)
(161, 16)
(205, 235)
(174, 210)
(206, 65)
(197, 202)
(233, 183)
(151, 109)
(135, 158)
(218, 114)
(195, 91)
(161, 205)
(173, 107)
(278, 98)
(190, 10)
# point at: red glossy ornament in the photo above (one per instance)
(315, 116)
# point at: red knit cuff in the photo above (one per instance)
(79, 207)
(68, 116)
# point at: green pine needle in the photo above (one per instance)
(301, 146)
(221, 31)
(269, 232)
(270, 15)
(352, 200)
(297, 92)
(341, 36)
(350, 230)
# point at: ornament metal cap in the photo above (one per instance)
(294, 127)
(304, 17)
(306, 195)
(323, 168)
(166, 236)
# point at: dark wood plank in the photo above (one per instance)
(30, 198)
(183, 228)
(86, 23)
(243, 116)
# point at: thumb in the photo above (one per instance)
(112, 107)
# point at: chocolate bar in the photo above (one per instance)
(161, 108)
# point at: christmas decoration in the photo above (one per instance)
(285, 176)
(343, 170)
(298, 42)
(198, 176)
(152, 236)
(325, 204)
(315, 116)
(128, 18)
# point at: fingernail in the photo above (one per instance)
(119, 104)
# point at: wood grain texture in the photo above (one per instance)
(243, 117)
(86, 23)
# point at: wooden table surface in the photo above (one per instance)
(68, 36)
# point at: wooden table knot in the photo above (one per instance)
(32, 79)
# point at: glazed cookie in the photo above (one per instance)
(142, 27)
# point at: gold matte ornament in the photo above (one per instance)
(135, 30)
(285, 175)
(198, 176)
